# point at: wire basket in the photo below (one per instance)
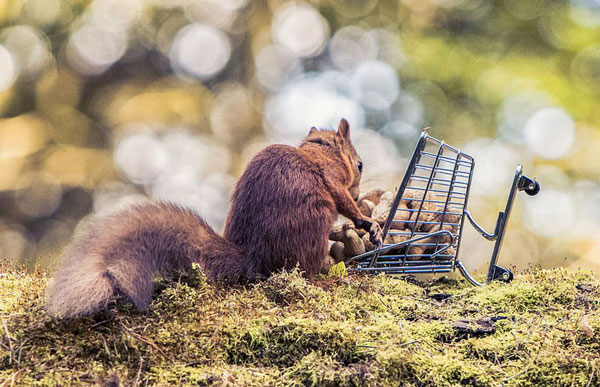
(423, 230)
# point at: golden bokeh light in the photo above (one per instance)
(105, 103)
(20, 136)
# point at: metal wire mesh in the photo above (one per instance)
(423, 230)
(426, 218)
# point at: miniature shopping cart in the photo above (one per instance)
(423, 230)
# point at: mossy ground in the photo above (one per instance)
(355, 330)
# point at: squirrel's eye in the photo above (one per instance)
(359, 166)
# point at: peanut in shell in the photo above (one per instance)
(382, 210)
(369, 246)
(337, 251)
(366, 207)
(353, 245)
(372, 195)
(338, 231)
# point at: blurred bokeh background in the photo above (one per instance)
(104, 103)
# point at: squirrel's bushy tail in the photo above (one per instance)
(120, 254)
(81, 288)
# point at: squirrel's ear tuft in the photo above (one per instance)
(313, 130)
(344, 129)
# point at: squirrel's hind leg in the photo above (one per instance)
(133, 281)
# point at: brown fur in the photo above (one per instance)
(282, 209)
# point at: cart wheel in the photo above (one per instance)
(533, 191)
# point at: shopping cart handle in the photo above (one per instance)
(481, 230)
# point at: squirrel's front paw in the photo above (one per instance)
(374, 229)
(376, 234)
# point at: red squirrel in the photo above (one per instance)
(282, 209)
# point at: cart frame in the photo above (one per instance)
(453, 194)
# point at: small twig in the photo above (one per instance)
(497, 361)
(519, 344)
(105, 346)
(147, 341)
(10, 316)
(440, 350)
(453, 296)
(383, 303)
(423, 300)
(591, 376)
(12, 353)
(515, 375)
(416, 342)
(20, 349)
(216, 330)
(137, 381)
(116, 351)
(12, 379)
(367, 346)
(409, 343)
(99, 323)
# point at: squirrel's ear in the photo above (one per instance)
(344, 129)
(313, 130)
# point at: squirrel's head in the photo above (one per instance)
(339, 143)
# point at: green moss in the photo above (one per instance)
(288, 288)
(351, 331)
(534, 290)
(318, 370)
(284, 342)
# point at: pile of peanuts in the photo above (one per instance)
(347, 241)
